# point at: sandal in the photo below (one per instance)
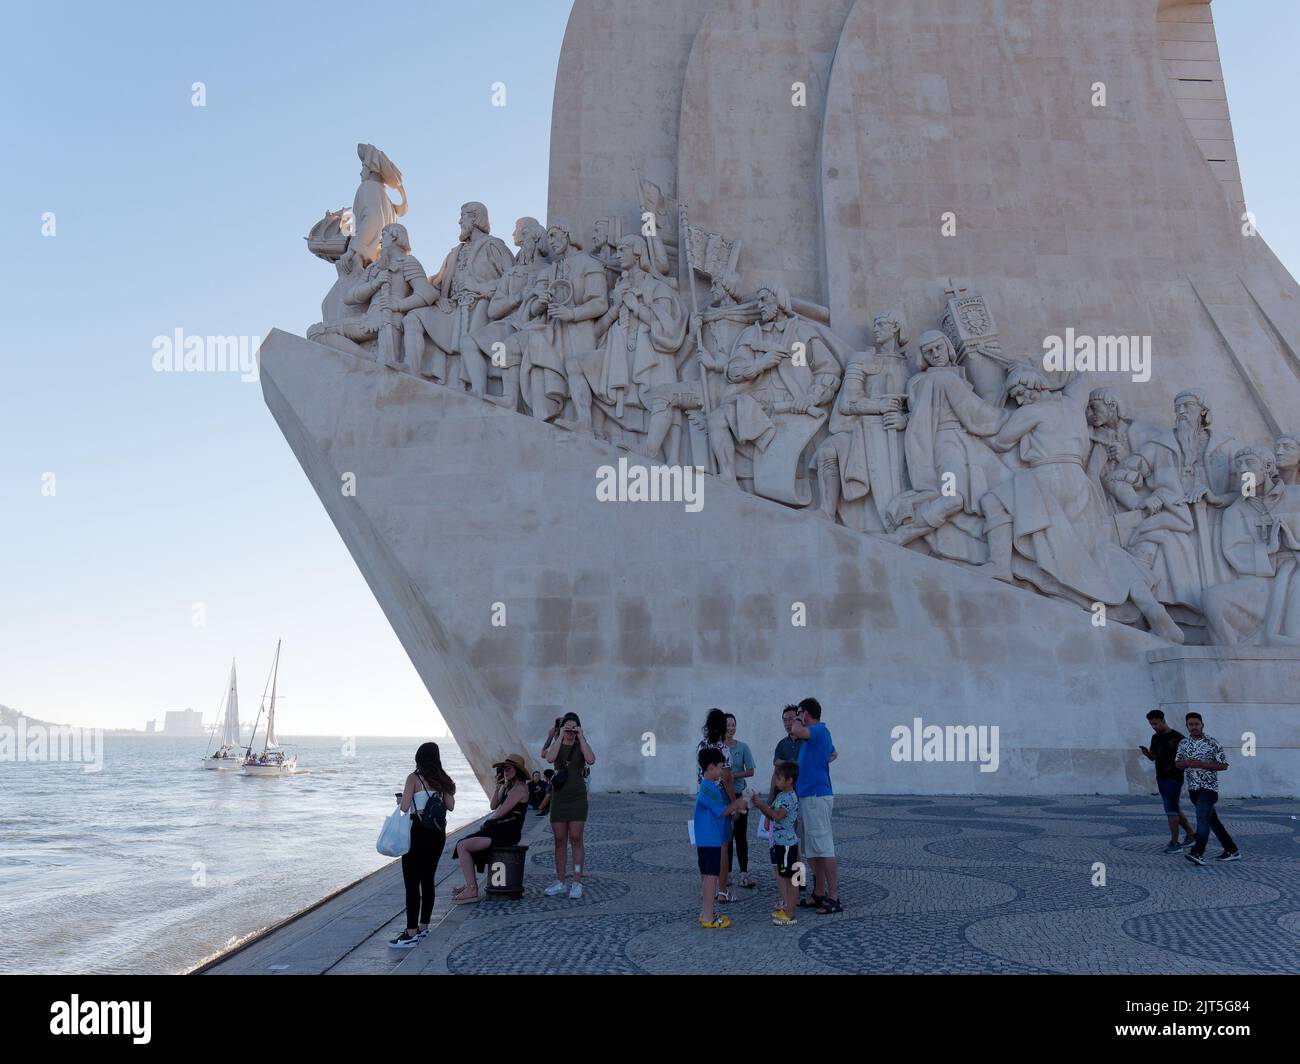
(829, 906)
(814, 902)
(462, 896)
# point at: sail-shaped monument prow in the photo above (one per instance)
(892, 531)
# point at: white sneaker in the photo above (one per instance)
(575, 891)
(556, 889)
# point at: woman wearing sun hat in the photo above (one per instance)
(503, 828)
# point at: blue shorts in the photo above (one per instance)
(1169, 792)
(710, 858)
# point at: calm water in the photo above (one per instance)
(154, 863)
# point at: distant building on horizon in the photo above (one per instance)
(181, 722)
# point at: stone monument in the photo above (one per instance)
(988, 525)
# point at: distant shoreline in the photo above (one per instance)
(9, 717)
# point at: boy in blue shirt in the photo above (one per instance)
(783, 812)
(711, 809)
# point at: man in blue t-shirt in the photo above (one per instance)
(816, 803)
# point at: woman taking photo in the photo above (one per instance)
(429, 795)
(502, 828)
(715, 738)
(742, 768)
(569, 752)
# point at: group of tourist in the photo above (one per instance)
(429, 794)
(796, 815)
(1197, 759)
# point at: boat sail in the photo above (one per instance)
(272, 761)
(225, 756)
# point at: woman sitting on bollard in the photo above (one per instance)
(503, 828)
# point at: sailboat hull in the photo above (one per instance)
(219, 764)
(287, 769)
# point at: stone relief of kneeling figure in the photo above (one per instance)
(1047, 523)
(385, 292)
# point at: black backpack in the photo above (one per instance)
(433, 817)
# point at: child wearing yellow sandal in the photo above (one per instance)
(711, 811)
(784, 814)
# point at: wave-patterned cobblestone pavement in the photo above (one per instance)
(929, 884)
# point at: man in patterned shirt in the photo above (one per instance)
(1202, 759)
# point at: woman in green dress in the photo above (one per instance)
(567, 749)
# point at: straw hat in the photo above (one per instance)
(517, 761)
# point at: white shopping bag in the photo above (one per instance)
(690, 831)
(395, 835)
(765, 831)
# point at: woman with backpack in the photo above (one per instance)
(503, 828)
(429, 795)
(568, 751)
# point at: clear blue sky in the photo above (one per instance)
(178, 488)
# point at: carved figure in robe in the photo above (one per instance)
(1178, 538)
(949, 462)
(1114, 437)
(856, 447)
(1260, 603)
(714, 330)
(457, 305)
(641, 332)
(1047, 523)
(499, 345)
(372, 210)
(381, 295)
(782, 377)
(567, 299)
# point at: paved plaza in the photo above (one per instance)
(929, 885)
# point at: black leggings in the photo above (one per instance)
(739, 843)
(419, 864)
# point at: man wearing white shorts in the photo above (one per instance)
(816, 804)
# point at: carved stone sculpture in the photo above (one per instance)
(461, 290)
(949, 463)
(714, 331)
(862, 456)
(1187, 470)
(782, 375)
(969, 324)
(1260, 602)
(372, 210)
(1286, 451)
(623, 380)
(381, 295)
(568, 298)
(1114, 437)
(1047, 523)
(499, 345)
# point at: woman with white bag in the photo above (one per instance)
(429, 795)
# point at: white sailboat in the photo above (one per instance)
(272, 761)
(227, 756)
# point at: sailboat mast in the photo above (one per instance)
(270, 717)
